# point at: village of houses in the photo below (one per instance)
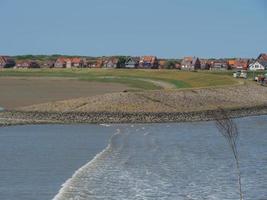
(143, 62)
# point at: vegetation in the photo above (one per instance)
(228, 129)
(140, 78)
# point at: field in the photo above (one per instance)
(25, 87)
(141, 79)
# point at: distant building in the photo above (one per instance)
(219, 65)
(177, 65)
(47, 64)
(262, 56)
(190, 63)
(6, 62)
(258, 65)
(149, 62)
(27, 64)
(64, 62)
(93, 63)
(205, 64)
(132, 62)
(239, 64)
(77, 62)
(111, 62)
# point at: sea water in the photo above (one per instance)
(151, 161)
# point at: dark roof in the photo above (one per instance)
(132, 59)
(262, 56)
(263, 63)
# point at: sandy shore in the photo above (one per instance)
(145, 107)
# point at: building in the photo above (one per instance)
(94, 63)
(239, 64)
(190, 63)
(77, 62)
(205, 64)
(262, 56)
(27, 64)
(6, 62)
(132, 62)
(47, 64)
(64, 62)
(258, 65)
(149, 62)
(219, 65)
(111, 62)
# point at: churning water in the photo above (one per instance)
(174, 161)
(156, 161)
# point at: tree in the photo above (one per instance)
(228, 129)
(170, 64)
(121, 61)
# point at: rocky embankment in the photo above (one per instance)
(146, 107)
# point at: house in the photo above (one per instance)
(6, 62)
(93, 63)
(77, 62)
(177, 65)
(47, 64)
(219, 65)
(190, 63)
(262, 56)
(27, 64)
(258, 65)
(132, 62)
(111, 63)
(239, 64)
(64, 62)
(205, 64)
(149, 62)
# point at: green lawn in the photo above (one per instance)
(134, 78)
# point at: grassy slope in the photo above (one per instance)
(180, 79)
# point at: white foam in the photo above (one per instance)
(67, 184)
(105, 125)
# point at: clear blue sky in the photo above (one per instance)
(166, 28)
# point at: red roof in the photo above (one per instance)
(72, 60)
(149, 59)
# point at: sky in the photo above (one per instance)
(165, 28)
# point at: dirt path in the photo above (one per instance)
(161, 84)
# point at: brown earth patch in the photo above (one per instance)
(19, 91)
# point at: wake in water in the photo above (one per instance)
(157, 162)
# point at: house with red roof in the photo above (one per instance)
(111, 62)
(239, 64)
(64, 62)
(149, 62)
(190, 63)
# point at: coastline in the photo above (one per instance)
(9, 118)
(160, 106)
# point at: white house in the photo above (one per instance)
(258, 65)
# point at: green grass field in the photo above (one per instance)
(141, 79)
